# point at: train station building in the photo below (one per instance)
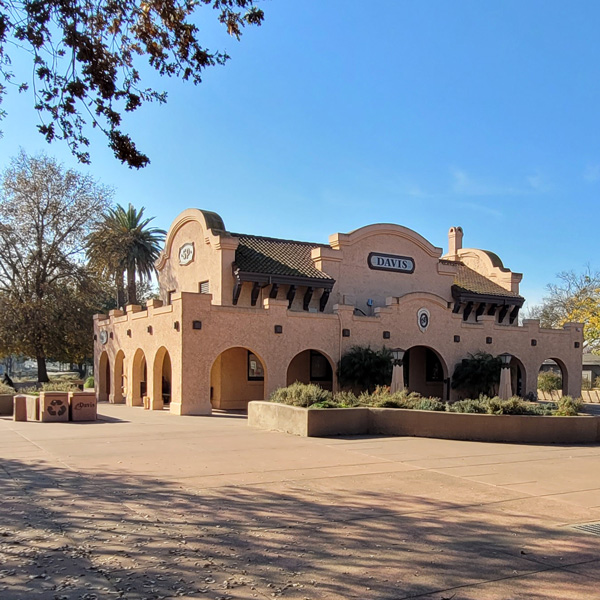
(241, 315)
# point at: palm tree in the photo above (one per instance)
(123, 243)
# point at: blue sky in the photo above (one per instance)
(333, 115)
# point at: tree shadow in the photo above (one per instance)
(67, 534)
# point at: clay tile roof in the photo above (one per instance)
(473, 282)
(273, 256)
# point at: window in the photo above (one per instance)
(255, 368)
(204, 288)
(320, 369)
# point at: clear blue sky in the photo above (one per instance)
(335, 114)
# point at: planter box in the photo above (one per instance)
(6, 404)
(54, 407)
(33, 408)
(308, 422)
(421, 423)
(83, 406)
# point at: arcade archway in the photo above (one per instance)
(237, 376)
(311, 366)
(425, 372)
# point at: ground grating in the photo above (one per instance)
(593, 528)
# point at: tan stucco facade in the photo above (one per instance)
(274, 311)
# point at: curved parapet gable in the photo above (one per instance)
(339, 240)
(208, 221)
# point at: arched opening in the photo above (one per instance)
(139, 374)
(552, 379)
(120, 378)
(162, 378)
(237, 376)
(517, 377)
(103, 377)
(425, 372)
(311, 366)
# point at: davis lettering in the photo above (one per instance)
(391, 262)
(81, 405)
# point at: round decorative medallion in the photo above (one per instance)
(186, 253)
(103, 337)
(423, 319)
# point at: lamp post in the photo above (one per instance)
(398, 355)
(398, 370)
(505, 388)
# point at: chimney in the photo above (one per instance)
(455, 237)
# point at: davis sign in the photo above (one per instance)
(391, 262)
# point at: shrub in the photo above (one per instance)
(345, 399)
(6, 389)
(478, 374)
(549, 381)
(89, 383)
(430, 404)
(567, 406)
(364, 369)
(59, 386)
(468, 406)
(597, 382)
(301, 394)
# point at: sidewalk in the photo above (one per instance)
(149, 505)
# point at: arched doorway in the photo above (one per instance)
(425, 372)
(311, 366)
(118, 396)
(162, 378)
(553, 377)
(237, 376)
(103, 377)
(517, 377)
(139, 377)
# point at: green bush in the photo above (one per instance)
(345, 400)
(6, 389)
(364, 369)
(478, 374)
(59, 386)
(497, 406)
(301, 394)
(430, 404)
(549, 381)
(89, 383)
(568, 406)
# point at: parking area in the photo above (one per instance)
(144, 504)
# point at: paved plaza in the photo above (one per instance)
(149, 505)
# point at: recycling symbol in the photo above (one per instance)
(57, 408)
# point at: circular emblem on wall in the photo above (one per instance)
(103, 337)
(423, 319)
(186, 253)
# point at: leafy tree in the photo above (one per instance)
(47, 294)
(363, 368)
(123, 242)
(87, 58)
(576, 298)
(549, 381)
(477, 374)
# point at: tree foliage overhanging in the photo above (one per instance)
(363, 369)
(87, 59)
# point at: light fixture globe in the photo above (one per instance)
(398, 355)
(505, 359)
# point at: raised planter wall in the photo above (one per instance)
(418, 423)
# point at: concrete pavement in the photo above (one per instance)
(149, 505)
